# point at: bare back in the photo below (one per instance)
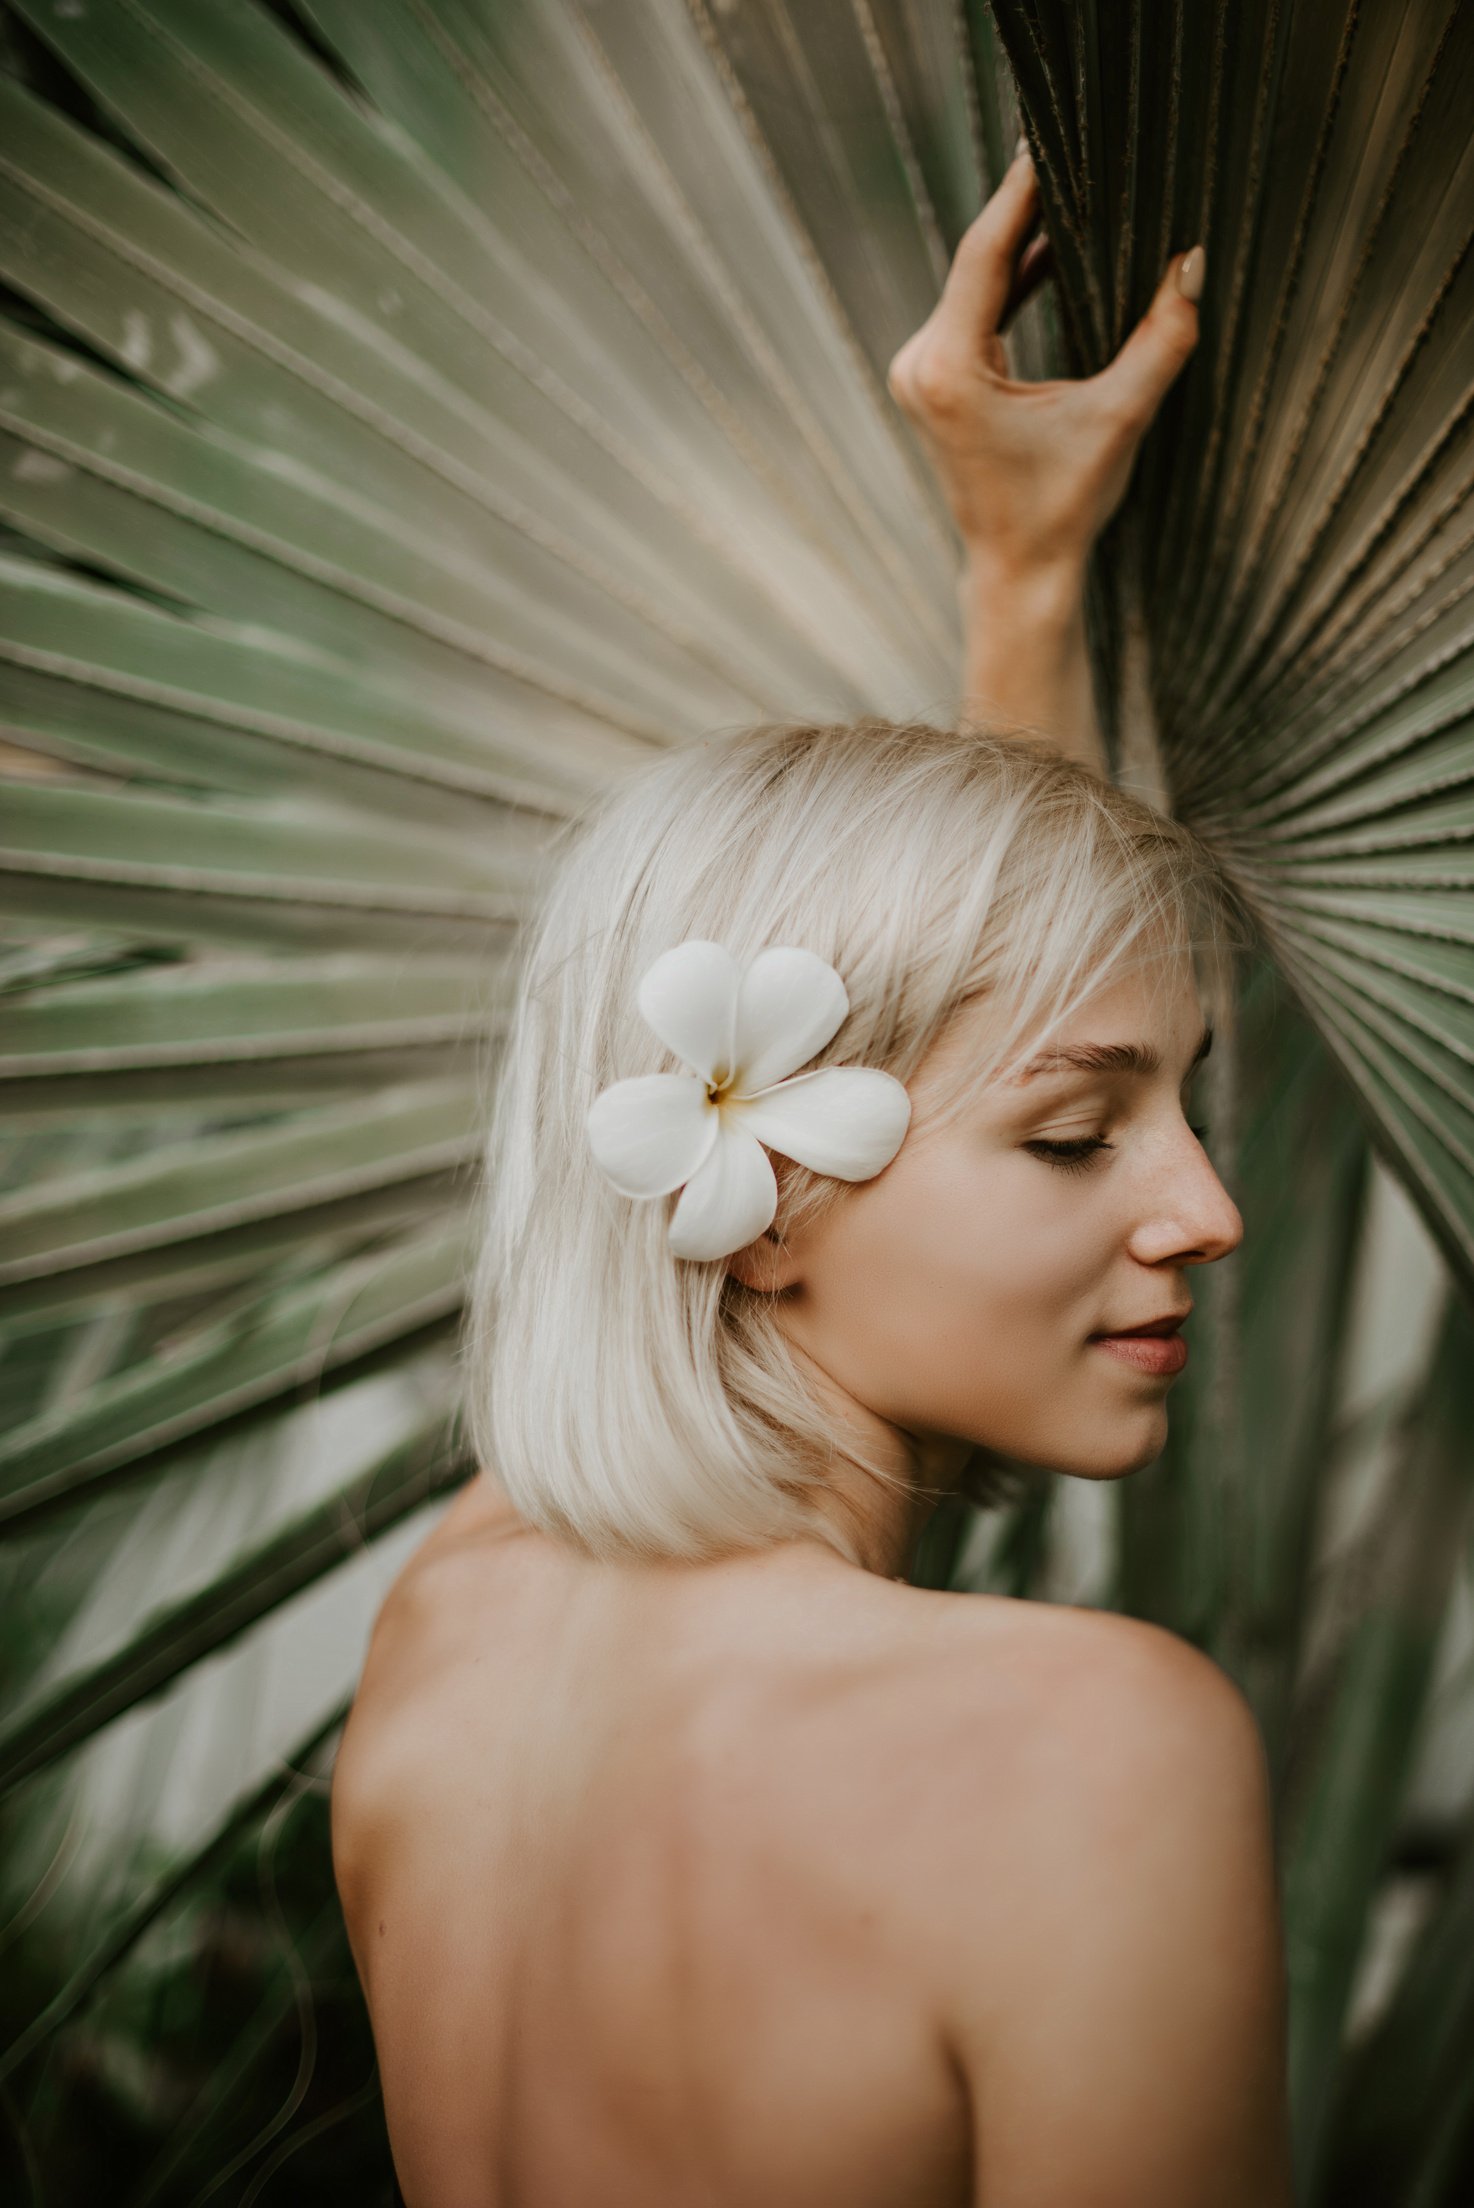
(645, 1875)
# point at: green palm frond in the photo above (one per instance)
(1402, 2111)
(1362, 1763)
(412, 417)
(1300, 538)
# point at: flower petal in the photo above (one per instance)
(650, 1134)
(846, 1120)
(689, 997)
(789, 1004)
(729, 1202)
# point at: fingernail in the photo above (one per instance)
(1021, 150)
(1190, 276)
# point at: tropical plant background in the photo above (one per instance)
(410, 415)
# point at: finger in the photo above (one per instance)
(981, 276)
(1036, 267)
(1156, 352)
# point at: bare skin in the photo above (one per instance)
(1032, 471)
(776, 1883)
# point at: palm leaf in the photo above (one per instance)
(131, 1925)
(1356, 1790)
(266, 1574)
(290, 1338)
(1309, 486)
(1404, 2118)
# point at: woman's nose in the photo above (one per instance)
(1191, 1219)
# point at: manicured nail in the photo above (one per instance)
(1190, 275)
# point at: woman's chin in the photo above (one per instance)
(1094, 1445)
(1114, 1453)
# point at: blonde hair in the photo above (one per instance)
(631, 1402)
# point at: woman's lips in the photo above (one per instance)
(1160, 1354)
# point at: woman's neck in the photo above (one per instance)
(877, 1521)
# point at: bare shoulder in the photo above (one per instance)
(1078, 1720)
(1046, 1638)
(401, 1760)
(1112, 1982)
(972, 1735)
(426, 1644)
(414, 1878)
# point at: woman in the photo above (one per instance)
(688, 1854)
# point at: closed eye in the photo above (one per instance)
(1075, 1154)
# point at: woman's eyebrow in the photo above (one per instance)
(1108, 1058)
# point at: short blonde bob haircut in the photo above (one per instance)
(635, 1403)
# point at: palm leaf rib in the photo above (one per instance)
(129, 1927)
(414, 1473)
(291, 1339)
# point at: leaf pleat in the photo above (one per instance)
(181, 1634)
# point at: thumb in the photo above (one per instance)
(1159, 348)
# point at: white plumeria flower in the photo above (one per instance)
(743, 1031)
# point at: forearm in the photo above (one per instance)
(1025, 662)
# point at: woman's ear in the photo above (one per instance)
(766, 1264)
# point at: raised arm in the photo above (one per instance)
(1032, 471)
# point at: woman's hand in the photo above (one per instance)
(1032, 471)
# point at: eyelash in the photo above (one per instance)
(1078, 1154)
(1074, 1156)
